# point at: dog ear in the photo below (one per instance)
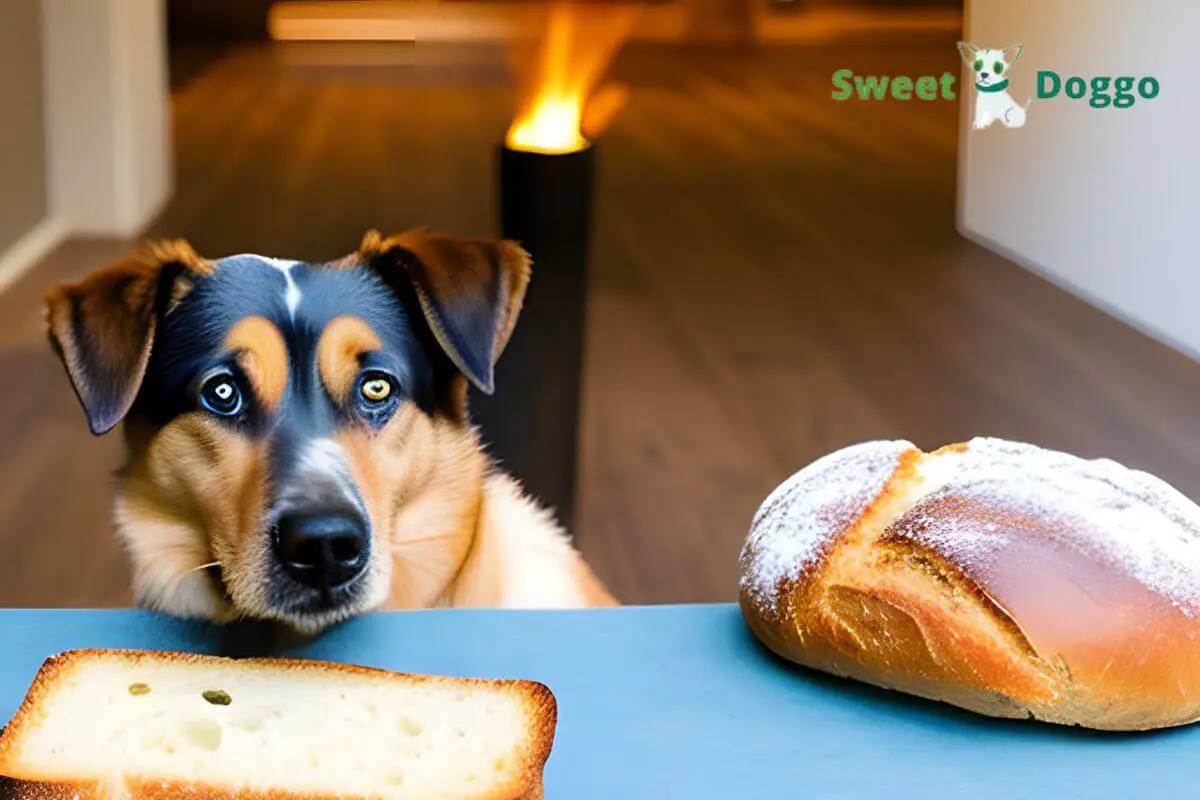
(470, 291)
(968, 52)
(1012, 53)
(103, 326)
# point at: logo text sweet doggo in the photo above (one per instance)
(994, 102)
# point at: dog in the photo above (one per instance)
(298, 441)
(992, 100)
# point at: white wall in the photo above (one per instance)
(1102, 201)
(107, 113)
(27, 232)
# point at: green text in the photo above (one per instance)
(1101, 91)
(901, 87)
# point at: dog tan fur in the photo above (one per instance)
(263, 355)
(449, 529)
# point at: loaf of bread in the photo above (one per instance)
(125, 725)
(1000, 577)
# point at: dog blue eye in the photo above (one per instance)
(221, 395)
(999, 67)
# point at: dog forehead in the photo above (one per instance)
(295, 293)
(253, 281)
(299, 298)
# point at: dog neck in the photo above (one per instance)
(995, 87)
(520, 557)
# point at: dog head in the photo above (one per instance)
(990, 66)
(299, 447)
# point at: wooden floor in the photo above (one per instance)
(775, 275)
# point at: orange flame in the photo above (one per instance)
(561, 108)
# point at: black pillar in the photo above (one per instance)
(531, 423)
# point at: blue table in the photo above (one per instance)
(679, 702)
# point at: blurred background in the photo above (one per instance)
(772, 274)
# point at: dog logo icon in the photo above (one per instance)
(992, 100)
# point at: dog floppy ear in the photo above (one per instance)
(103, 326)
(1012, 53)
(470, 291)
(968, 52)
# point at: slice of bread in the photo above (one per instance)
(134, 725)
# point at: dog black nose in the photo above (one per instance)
(983, 75)
(322, 550)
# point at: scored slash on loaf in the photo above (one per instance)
(1000, 577)
(135, 725)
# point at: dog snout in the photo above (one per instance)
(323, 550)
(984, 75)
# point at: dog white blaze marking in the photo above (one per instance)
(291, 294)
(326, 457)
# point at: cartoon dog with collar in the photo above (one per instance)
(992, 100)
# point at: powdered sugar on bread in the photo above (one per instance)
(1126, 520)
(1001, 577)
(806, 513)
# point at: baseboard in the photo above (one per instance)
(30, 249)
(1142, 327)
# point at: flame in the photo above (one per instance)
(561, 106)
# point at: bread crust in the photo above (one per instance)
(951, 588)
(29, 790)
(16, 783)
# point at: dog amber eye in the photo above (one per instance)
(978, 64)
(999, 67)
(376, 390)
(221, 395)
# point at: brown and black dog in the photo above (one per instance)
(299, 447)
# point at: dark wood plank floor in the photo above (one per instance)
(776, 275)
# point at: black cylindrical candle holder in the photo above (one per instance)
(531, 422)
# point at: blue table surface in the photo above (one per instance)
(677, 702)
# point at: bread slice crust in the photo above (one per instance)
(21, 783)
